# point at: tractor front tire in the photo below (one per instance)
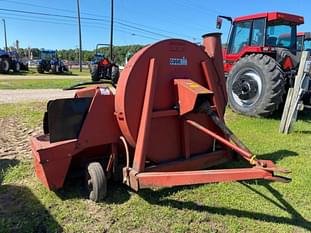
(5, 66)
(17, 67)
(96, 182)
(255, 86)
(54, 69)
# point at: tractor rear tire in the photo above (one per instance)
(115, 74)
(40, 69)
(255, 86)
(5, 66)
(96, 182)
(65, 69)
(94, 74)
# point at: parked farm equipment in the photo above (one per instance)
(9, 60)
(260, 62)
(49, 61)
(162, 126)
(102, 67)
(24, 64)
(304, 41)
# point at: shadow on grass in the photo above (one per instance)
(239, 162)
(307, 132)
(34, 73)
(20, 211)
(69, 73)
(278, 155)
(304, 115)
(117, 193)
(21, 73)
(296, 219)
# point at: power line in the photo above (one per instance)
(84, 18)
(67, 23)
(38, 6)
(173, 20)
(70, 22)
(36, 20)
(96, 15)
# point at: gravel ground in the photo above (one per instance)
(14, 96)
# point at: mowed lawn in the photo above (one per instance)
(254, 206)
(34, 80)
(14, 84)
(33, 72)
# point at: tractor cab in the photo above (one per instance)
(100, 54)
(303, 41)
(49, 61)
(48, 55)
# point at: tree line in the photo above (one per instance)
(119, 53)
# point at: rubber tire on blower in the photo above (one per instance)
(96, 182)
(267, 81)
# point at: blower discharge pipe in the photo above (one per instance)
(212, 46)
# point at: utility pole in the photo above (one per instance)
(80, 37)
(5, 39)
(111, 31)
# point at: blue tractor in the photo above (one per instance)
(9, 61)
(49, 61)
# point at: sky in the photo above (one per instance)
(53, 24)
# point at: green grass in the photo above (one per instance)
(33, 72)
(34, 80)
(39, 83)
(29, 114)
(254, 206)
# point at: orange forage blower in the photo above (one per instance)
(162, 126)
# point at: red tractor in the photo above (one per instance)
(303, 41)
(259, 64)
(102, 67)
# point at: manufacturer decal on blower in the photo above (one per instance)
(178, 61)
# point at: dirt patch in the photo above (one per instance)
(14, 139)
